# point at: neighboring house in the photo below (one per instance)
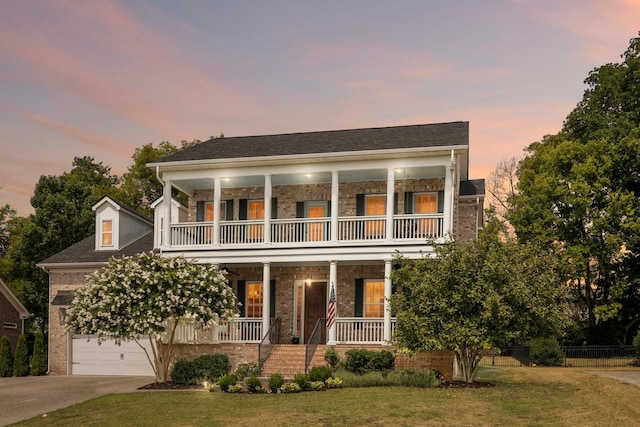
(12, 315)
(299, 222)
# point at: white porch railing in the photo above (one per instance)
(361, 330)
(238, 330)
(309, 230)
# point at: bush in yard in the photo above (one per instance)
(320, 373)
(6, 358)
(360, 361)
(290, 388)
(226, 381)
(39, 356)
(184, 372)
(246, 369)
(545, 351)
(421, 378)
(254, 385)
(212, 366)
(331, 357)
(302, 380)
(636, 344)
(21, 358)
(317, 385)
(276, 381)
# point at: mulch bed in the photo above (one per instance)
(174, 386)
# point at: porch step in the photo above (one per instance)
(288, 360)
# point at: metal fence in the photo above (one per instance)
(574, 356)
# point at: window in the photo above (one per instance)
(10, 325)
(208, 216)
(316, 229)
(253, 307)
(426, 203)
(107, 232)
(255, 211)
(375, 205)
(374, 298)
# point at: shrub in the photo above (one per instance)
(334, 382)
(301, 379)
(421, 378)
(246, 369)
(226, 381)
(545, 351)
(184, 372)
(320, 373)
(6, 358)
(317, 385)
(234, 388)
(290, 388)
(208, 367)
(39, 357)
(360, 361)
(331, 357)
(368, 379)
(212, 366)
(276, 381)
(21, 358)
(254, 385)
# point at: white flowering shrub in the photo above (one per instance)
(146, 295)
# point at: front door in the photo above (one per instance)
(315, 306)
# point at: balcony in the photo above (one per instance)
(308, 231)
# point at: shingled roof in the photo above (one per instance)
(84, 252)
(414, 136)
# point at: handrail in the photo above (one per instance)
(268, 342)
(312, 343)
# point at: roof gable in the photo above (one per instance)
(13, 300)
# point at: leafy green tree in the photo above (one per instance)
(477, 295)
(146, 296)
(578, 194)
(140, 187)
(21, 358)
(6, 358)
(39, 356)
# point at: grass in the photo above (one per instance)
(521, 396)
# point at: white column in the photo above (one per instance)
(267, 209)
(335, 189)
(166, 205)
(448, 202)
(390, 202)
(387, 308)
(266, 299)
(333, 281)
(216, 210)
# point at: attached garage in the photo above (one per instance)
(90, 358)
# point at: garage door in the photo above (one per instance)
(89, 358)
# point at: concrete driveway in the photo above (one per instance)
(28, 397)
(628, 376)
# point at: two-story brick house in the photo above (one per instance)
(307, 220)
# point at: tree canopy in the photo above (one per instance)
(473, 296)
(578, 194)
(146, 296)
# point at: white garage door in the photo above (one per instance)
(89, 358)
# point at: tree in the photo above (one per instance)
(6, 215)
(39, 356)
(140, 187)
(146, 296)
(477, 295)
(578, 194)
(21, 358)
(6, 358)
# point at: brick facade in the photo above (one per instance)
(9, 316)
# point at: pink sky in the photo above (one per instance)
(103, 78)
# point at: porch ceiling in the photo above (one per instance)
(190, 185)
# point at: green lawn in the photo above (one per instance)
(520, 397)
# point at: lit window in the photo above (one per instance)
(374, 298)
(425, 203)
(107, 233)
(254, 299)
(208, 216)
(375, 205)
(316, 229)
(255, 211)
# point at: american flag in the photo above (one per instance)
(331, 310)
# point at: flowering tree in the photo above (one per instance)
(146, 295)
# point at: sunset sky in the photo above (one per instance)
(101, 78)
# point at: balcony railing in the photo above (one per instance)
(238, 330)
(361, 330)
(292, 231)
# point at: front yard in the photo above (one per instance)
(522, 396)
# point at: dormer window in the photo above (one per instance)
(107, 232)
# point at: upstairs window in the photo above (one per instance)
(107, 232)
